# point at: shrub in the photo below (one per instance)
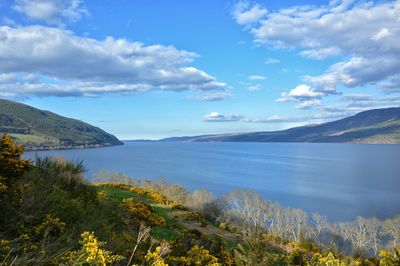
(389, 259)
(92, 252)
(198, 217)
(141, 212)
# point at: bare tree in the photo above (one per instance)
(251, 208)
(357, 233)
(199, 199)
(298, 222)
(391, 228)
(374, 226)
(319, 223)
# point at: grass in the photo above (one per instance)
(171, 229)
(25, 138)
(164, 233)
(168, 232)
(121, 194)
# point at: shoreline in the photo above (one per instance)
(69, 147)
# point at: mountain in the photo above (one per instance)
(373, 126)
(38, 129)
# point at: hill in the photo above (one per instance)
(378, 126)
(39, 129)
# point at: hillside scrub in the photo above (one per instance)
(52, 216)
(246, 212)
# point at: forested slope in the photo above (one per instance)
(39, 129)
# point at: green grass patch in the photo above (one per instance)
(171, 230)
(121, 194)
(164, 233)
(230, 244)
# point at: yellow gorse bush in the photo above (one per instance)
(92, 253)
(51, 224)
(328, 260)
(143, 211)
(154, 258)
(389, 259)
(155, 196)
(12, 165)
(95, 251)
(199, 256)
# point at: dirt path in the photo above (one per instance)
(180, 216)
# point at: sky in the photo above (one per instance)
(158, 68)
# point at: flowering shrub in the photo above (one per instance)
(92, 252)
(199, 256)
(12, 165)
(153, 195)
(139, 210)
(154, 258)
(50, 225)
(328, 260)
(389, 259)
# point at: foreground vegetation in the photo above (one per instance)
(51, 216)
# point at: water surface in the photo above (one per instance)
(341, 181)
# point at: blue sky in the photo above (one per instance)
(153, 69)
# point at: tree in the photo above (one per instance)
(357, 233)
(320, 223)
(251, 208)
(297, 222)
(199, 199)
(374, 226)
(391, 228)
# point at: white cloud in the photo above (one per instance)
(321, 117)
(392, 84)
(300, 92)
(381, 34)
(257, 77)
(348, 105)
(367, 33)
(215, 96)
(304, 95)
(367, 101)
(244, 13)
(271, 61)
(218, 117)
(54, 12)
(256, 87)
(308, 104)
(80, 65)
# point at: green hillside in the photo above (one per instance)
(38, 129)
(373, 126)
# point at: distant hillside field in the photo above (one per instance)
(378, 126)
(38, 129)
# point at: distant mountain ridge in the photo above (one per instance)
(38, 129)
(377, 126)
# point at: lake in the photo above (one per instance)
(341, 181)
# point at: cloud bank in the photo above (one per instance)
(54, 12)
(363, 35)
(61, 63)
(218, 117)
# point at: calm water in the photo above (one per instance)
(341, 181)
